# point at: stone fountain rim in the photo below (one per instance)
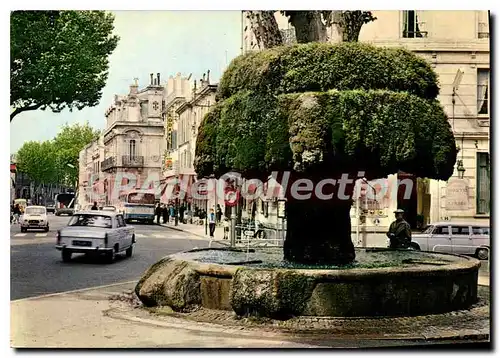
(224, 270)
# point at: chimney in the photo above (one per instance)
(208, 77)
(151, 75)
(158, 78)
(203, 78)
(194, 88)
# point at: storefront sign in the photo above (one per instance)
(457, 194)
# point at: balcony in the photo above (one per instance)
(108, 163)
(135, 161)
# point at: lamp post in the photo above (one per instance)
(460, 162)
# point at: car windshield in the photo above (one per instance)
(91, 220)
(429, 229)
(35, 211)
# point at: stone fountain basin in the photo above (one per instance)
(382, 282)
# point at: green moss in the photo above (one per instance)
(327, 108)
(321, 67)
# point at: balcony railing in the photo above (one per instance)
(135, 161)
(108, 163)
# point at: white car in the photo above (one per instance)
(96, 232)
(34, 217)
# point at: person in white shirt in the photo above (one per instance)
(211, 222)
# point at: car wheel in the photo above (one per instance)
(128, 252)
(415, 246)
(23, 229)
(482, 254)
(66, 255)
(110, 256)
(46, 229)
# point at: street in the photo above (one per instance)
(37, 268)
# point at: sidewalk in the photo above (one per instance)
(88, 319)
(199, 230)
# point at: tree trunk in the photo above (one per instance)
(265, 28)
(319, 231)
(308, 26)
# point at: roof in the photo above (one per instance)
(467, 223)
(96, 212)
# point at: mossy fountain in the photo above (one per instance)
(321, 111)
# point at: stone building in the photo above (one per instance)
(456, 44)
(91, 177)
(177, 92)
(133, 139)
(190, 114)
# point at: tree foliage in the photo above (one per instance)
(59, 59)
(36, 159)
(68, 143)
(328, 108)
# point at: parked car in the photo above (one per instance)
(456, 238)
(99, 232)
(34, 217)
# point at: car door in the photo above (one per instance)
(461, 239)
(440, 241)
(480, 236)
(125, 241)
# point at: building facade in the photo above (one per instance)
(456, 44)
(133, 139)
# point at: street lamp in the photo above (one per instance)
(460, 168)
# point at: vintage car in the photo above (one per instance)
(455, 238)
(34, 217)
(96, 232)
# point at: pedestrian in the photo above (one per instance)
(94, 207)
(172, 213)
(399, 232)
(182, 209)
(164, 211)
(218, 214)
(17, 213)
(158, 213)
(211, 222)
(226, 227)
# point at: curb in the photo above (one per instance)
(195, 234)
(314, 338)
(72, 291)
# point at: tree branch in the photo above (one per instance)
(24, 109)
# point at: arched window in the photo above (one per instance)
(131, 149)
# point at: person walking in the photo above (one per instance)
(94, 207)
(17, 213)
(226, 227)
(182, 209)
(164, 211)
(158, 213)
(172, 213)
(218, 214)
(211, 222)
(399, 232)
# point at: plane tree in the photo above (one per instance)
(320, 111)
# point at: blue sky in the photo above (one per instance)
(150, 42)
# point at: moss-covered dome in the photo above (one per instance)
(328, 108)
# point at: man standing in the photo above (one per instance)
(218, 214)
(211, 222)
(399, 232)
(182, 209)
(158, 213)
(94, 207)
(164, 211)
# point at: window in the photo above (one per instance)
(131, 149)
(480, 230)
(91, 220)
(121, 223)
(429, 230)
(460, 230)
(411, 25)
(442, 230)
(483, 184)
(483, 79)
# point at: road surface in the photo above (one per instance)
(37, 268)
